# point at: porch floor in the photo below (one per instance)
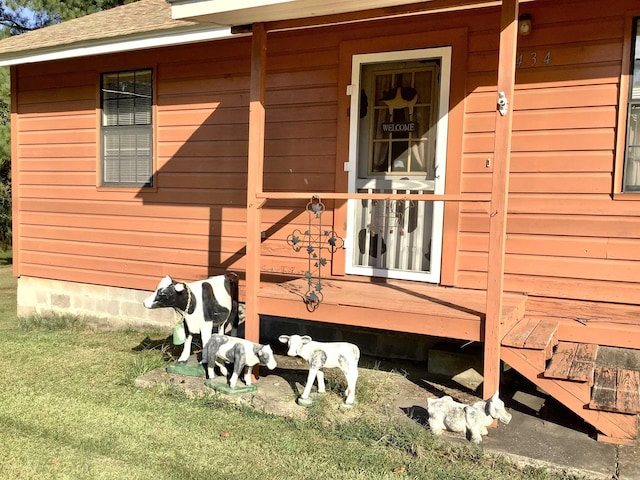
(394, 305)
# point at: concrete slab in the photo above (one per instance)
(549, 444)
(534, 402)
(450, 363)
(629, 463)
(275, 392)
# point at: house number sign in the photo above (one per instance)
(533, 59)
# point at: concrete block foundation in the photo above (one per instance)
(98, 305)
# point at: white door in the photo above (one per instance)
(398, 133)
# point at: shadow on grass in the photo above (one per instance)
(170, 352)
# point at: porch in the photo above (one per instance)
(554, 343)
(393, 305)
(489, 315)
(478, 316)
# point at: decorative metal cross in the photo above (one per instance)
(315, 240)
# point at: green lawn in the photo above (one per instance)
(69, 409)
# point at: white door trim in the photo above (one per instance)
(444, 55)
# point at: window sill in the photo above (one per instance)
(125, 188)
(635, 197)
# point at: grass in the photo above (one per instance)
(69, 410)
(50, 321)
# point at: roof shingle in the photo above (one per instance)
(143, 16)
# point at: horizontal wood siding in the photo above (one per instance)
(193, 222)
(566, 236)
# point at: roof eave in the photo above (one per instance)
(240, 12)
(244, 12)
(118, 44)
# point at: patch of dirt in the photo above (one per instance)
(394, 392)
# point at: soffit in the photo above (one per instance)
(243, 12)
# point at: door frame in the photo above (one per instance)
(390, 40)
(443, 54)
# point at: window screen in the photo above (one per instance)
(127, 130)
(632, 153)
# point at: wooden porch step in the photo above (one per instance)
(616, 390)
(532, 333)
(614, 427)
(573, 361)
(605, 324)
(539, 336)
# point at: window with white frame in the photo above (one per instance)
(632, 151)
(127, 128)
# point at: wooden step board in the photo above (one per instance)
(535, 334)
(614, 427)
(573, 361)
(616, 390)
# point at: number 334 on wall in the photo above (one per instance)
(533, 59)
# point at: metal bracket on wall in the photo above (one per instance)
(316, 241)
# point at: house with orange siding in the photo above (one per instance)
(458, 169)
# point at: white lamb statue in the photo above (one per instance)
(321, 355)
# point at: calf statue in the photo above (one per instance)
(203, 306)
(319, 355)
(447, 414)
(244, 354)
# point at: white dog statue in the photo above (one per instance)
(447, 414)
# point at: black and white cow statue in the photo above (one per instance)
(244, 354)
(205, 306)
(472, 420)
(319, 355)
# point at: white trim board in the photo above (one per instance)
(444, 54)
(117, 45)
